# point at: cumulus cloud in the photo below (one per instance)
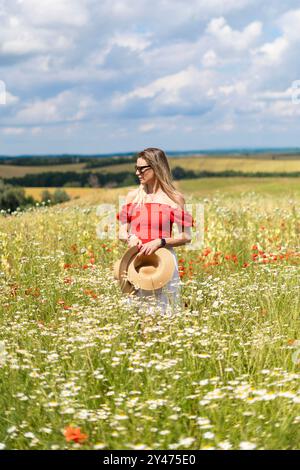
(232, 39)
(53, 12)
(64, 107)
(126, 68)
(270, 53)
(184, 92)
(289, 24)
(210, 58)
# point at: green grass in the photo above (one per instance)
(238, 185)
(219, 373)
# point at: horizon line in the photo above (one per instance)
(193, 151)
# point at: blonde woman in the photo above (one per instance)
(147, 218)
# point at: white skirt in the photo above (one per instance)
(166, 299)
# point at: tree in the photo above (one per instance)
(60, 195)
(46, 196)
(13, 197)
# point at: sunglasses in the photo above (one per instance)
(141, 169)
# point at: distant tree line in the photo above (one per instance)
(73, 178)
(90, 162)
(125, 178)
(100, 162)
(41, 161)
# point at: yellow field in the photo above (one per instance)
(195, 163)
(10, 171)
(219, 164)
(201, 187)
(74, 193)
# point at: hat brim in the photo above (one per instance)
(151, 272)
(116, 269)
(126, 286)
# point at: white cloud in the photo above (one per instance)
(170, 12)
(19, 38)
(35, 27)
(170, 57)
(10, 99)
(289, 24)
(270, 53)
(27, 42)
(47, 12)
(236, 88)
(277, 95)
(283, 109)
(210, 59)
(66, 106)
(279, 103)
(135, 42)
(147, 127)
(135, 65)
(233, 39)
(221, 5)
(168, 88)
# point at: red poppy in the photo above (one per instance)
(74, 434)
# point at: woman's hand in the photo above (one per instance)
(133, 240)
(150, 247)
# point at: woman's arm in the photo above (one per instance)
(124, 235)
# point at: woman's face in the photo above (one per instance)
(146, 174)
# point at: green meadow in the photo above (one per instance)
(81, 368)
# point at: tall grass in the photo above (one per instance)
(220, 373)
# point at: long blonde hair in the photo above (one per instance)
(157, 159)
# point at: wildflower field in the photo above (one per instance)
(80, 368)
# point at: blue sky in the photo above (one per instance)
(102, 76)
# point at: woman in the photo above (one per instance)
(147, 218)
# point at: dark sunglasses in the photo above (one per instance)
(141, 169)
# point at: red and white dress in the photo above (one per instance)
(150, 221)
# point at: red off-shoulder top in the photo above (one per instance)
(154, 220)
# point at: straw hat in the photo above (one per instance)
(120, 270)
(148, 272)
